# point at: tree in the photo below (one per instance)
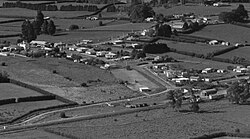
(28, 32)
(36, 27)
(140, 12)
(164, 30)
(51, 28)
(241, 12)
(44, 28)
(176, 98)
(238, 92)
(40, 18)
(73, 27)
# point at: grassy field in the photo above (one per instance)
(73, 37)
(32, 134)
(38, 72)
(11, 111)
(198, 9)
(190, 47)
(128, 26)
(197, 63)
(227, 32)
(9, 90)
(240, 52)
(218, 116)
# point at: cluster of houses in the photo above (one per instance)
(181, 77)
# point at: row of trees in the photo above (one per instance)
(90, 8)
(238, 92)
(97, 1)
(30, 30)
(236, 15)
(44, 7)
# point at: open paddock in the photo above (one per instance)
(11, 111)
(243, 52)
(193, 47)
(198, 9)
(75, 36)
(126, 27)
(15, 12)
(9, 90)
(226, 32)
(32, 134)
(189, 62)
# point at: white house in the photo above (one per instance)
(214, 42)
(206, 93)
(110, 55)
(24, 45)
(221, 71)
(144, 89)
(207, 70)
(81, 49)
(90, 52)
(101, 53)
(39, 43)
(241, 70)
(194, 78)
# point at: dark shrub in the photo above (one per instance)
(73, 27)
(54, 71)
(3, 64)
(63, 115)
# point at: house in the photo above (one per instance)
(207, 70)
(126, 57)
(101, 53)
(39, 43)
(90, 52)
(194, 78)
(213, 42)
(180, 80)
(71, 47)
(144, 89)
(178, 25)
(206, 93)
(110, 55)
(169, 73)
(159, 66)
(221, 71)
(24, 45)
(241, 70)
(81, 49)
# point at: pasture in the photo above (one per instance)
(226, 32)
(197, 63)
(192, 47)
(9, 90)
(32, 134)
(197, 9)
(11, 111)
(243, 52)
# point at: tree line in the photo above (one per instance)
(44, 7)
(38, 26)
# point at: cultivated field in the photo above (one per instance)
(243, 52)
(192, 47)
(9, 90)
(11, 111)
(227, 32)
(217, 116)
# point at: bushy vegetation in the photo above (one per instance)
(236, 15)
(73, 27)
(156, 48)
(4, 77)
(42, 7)
(138, 13)
(176, 98)
(163, 30)
(238, 92)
